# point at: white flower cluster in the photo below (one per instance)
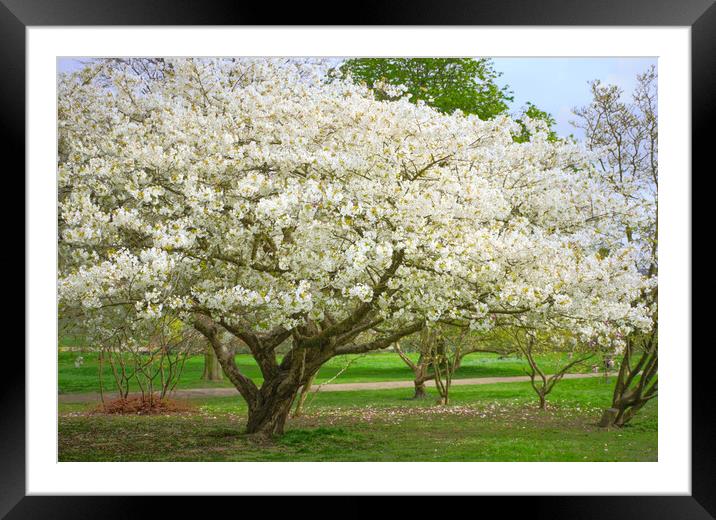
(252, 190)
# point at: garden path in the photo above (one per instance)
(194, 393)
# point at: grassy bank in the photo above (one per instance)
(486, 423)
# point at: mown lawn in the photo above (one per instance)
(381, 366)
(497, 422)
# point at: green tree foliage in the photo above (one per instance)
(532, 112)
(447, 84)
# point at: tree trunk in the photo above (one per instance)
(305, 389)
(609, 418)
(212, 367)
(420, 392)
(267, 418)
(636, 381)
(270, 405)
(443, 400)
(542, 402)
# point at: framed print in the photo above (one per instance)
(414, 255)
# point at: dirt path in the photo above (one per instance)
(195, 393)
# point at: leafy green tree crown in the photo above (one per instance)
(531, 112)
(447, 84)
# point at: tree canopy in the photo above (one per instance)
(250, 197)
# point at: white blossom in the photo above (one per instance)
(252, 190)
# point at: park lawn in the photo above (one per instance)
(379, 366)
(498, 422)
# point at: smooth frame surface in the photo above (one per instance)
(701, 15)
(671, 475)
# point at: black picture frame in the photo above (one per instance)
(700, 15)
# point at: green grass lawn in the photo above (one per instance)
(498, 422)
(381, 366)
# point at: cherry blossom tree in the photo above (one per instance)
(253, 199)
(624, 135)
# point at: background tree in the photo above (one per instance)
(421, 367)
(624, 135)
(438, 361)
(451, 345)
(447, 84)
(526, 119)
(530, 342)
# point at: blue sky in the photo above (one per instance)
(555, 85)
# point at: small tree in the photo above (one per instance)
(447, 345)
(445, 357)
(150, 355)
(530, 342)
